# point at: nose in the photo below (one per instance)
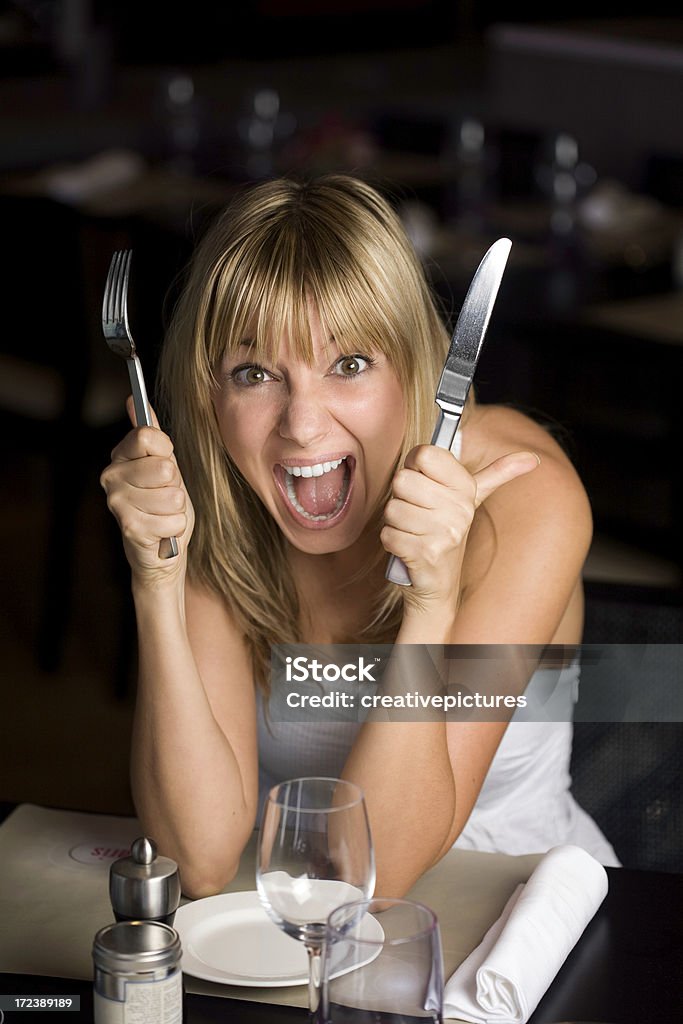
(304, 418)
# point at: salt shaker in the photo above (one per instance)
(137, 974)
(144, 887)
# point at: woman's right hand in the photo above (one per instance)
(147, 496)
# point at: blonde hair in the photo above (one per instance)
(333, 241)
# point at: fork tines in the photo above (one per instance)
(115, 301)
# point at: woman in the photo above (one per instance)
(298, 379)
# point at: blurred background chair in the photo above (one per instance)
(627, 774)
(61, 393)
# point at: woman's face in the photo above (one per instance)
(316, 443)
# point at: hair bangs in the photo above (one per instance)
(346, 302)
(261, 299)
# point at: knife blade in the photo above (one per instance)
(461, 362)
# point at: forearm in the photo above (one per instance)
(188, 787)
(403, 766)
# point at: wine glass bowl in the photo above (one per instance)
(314, 854)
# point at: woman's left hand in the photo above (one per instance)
(429, 515)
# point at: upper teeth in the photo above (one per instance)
(317, 470)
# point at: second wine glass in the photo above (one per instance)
(314, 853)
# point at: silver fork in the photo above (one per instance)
(120, 340)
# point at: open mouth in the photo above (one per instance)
(317, 493)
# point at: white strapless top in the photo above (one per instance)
(525, 804)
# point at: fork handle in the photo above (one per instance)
(143, 415)
(168, 547)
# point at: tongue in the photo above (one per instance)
(318, 495)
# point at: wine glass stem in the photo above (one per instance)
(314, 965)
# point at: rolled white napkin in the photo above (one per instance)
(504, 978)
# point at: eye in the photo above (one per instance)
(249, 375)
(351, 366)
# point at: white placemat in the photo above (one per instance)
(54, 887)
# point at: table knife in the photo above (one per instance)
(461, 361)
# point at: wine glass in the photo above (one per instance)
(314, 853)
(382, 964)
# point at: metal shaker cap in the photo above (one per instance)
(134, 946)
(144, 887)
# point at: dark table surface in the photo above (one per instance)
(625, 969)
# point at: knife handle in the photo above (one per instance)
(397, 572)
(443, 437)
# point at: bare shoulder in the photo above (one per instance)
(495, 430)
(492, 430)
(529, 540)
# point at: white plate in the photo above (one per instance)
(231, 940)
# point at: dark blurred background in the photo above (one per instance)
(131, 124)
